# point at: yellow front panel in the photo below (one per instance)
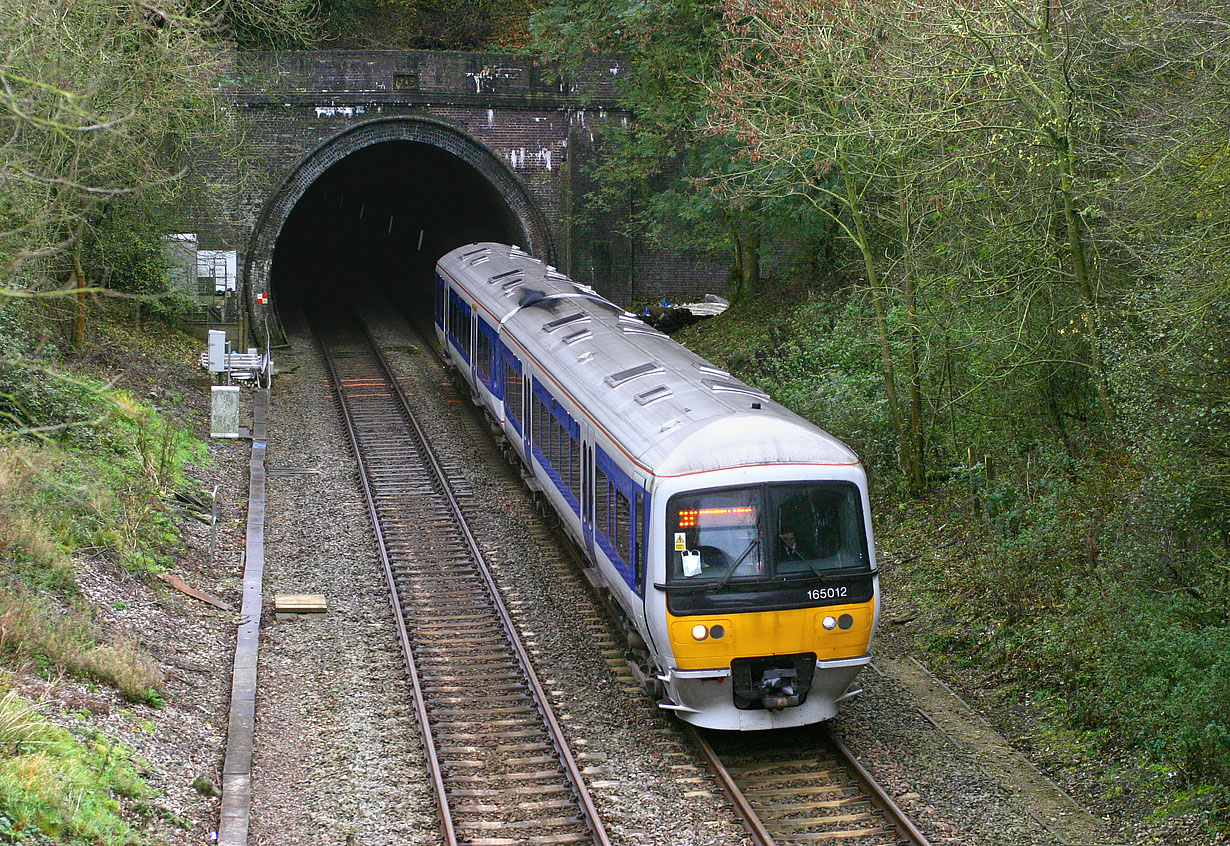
(771, 633)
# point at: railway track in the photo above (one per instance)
(805, 787)
(499, 763)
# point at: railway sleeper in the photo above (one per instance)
(511, 792)
(521, 825)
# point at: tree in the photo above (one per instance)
(103, 100)
(679, 176)
(836, 107)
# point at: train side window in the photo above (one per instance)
(575, 465)
(623, 526)
(639, 530)
(545, 431)
(539, 428)
(555, 462)
(602, 502)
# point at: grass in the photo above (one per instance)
(85, 469)
(55, 787)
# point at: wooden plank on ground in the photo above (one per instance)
(299, 603)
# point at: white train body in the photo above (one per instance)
(733, 536)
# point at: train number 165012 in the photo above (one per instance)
(827, 593)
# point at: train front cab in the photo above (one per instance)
(763, 634)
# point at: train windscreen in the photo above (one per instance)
(753, 539)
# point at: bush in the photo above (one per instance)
(1159, 683)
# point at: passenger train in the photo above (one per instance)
(734, 537)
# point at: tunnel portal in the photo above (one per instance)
(379, 219)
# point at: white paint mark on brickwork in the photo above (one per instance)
(491, 73)
(339, 111)
(490, 117)
(546, 157)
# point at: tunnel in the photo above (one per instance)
(377, 220)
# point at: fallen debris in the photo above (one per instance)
(183, 587)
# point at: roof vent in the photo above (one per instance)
(639, 328)
(617, 379)
(579, 335)
(708, 369)
(474, 252)
(552, 325)
(654, 394)
(493, 279)
(719, 386)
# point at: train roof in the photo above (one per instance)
(673, 412)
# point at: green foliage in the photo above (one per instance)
(82, 466)
(1146, 673)
(427, 24)
(57, 787)
(675, 181)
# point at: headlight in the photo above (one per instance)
(699, 631)
(717, 631)
(829, 623)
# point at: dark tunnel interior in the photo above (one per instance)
(378, 220)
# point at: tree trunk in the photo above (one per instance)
(1061, 108)
(751, 254)
(917, 475)
(878, 299)
(79, 284)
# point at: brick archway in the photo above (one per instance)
(258, 259)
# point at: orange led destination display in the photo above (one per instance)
(740, 516)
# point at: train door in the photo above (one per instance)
(439, 303)
(511, 387)
(460, 328)
(587, 488)
(527, 404)
(483, 363)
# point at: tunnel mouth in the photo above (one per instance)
(349, 217)
(377, 221)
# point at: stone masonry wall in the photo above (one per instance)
(527, 129)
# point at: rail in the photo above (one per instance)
(446, 602)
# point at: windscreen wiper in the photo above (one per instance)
(830, 575)
(704, 586)
(755, 542)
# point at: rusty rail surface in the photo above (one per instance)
(803, 786)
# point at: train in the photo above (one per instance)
(731, 537)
